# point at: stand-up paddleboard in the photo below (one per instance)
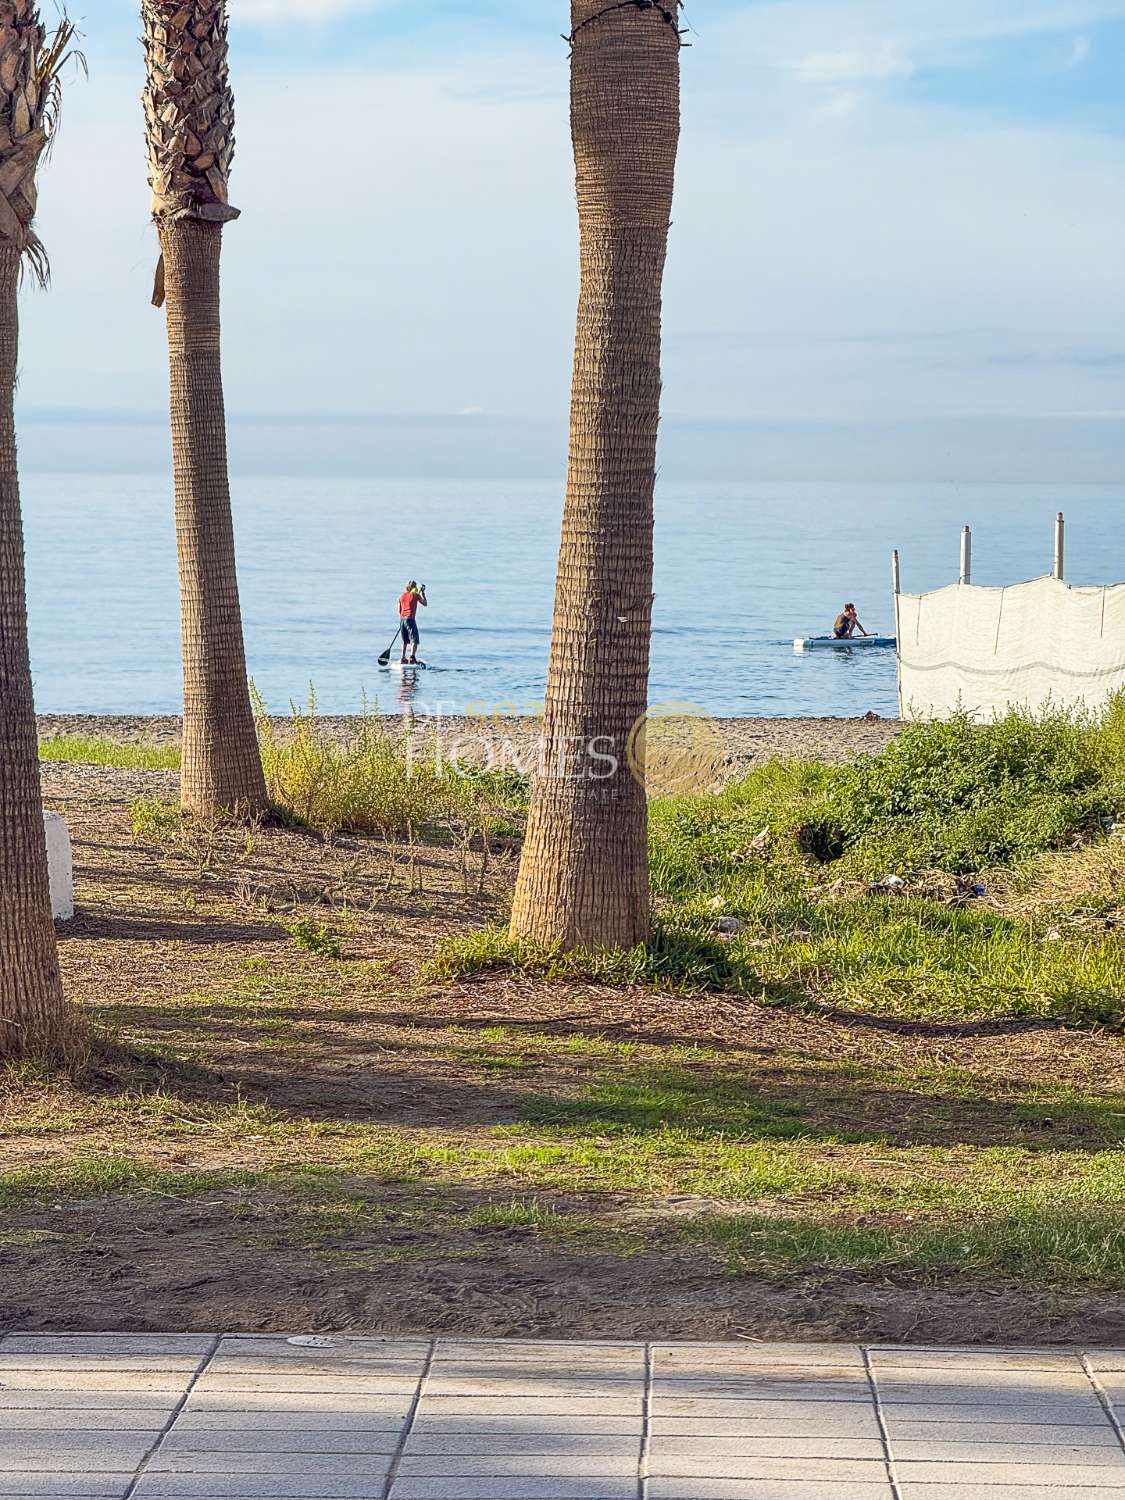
(408, 666)
(849, 642)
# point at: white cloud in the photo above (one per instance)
(1080, 51)
(855, 66)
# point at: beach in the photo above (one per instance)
(474, 740)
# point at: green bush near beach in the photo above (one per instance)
(1003, 900)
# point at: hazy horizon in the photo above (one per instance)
(896, 249)
(442, 446)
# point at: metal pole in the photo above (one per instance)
(966, 555)
(1060, 546)
(896, 573)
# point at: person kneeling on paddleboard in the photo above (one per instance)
(408, 603)
(846, 624)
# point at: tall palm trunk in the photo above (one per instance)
(583, 878)
(189, 114)
(33, 1014)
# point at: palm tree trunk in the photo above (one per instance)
(222, 767)
(583, 878)
(33, 1016)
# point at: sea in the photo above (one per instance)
(741, 570)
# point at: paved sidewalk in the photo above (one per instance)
(195, 1417)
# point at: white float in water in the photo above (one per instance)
(60, 866)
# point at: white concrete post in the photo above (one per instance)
(59, 866)
(896, 573)
(1060, 546)
(966, 555)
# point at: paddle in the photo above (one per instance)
(384, 660)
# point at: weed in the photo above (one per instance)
(315, 937)
(93, 750)
(155, 820)
(373, 784)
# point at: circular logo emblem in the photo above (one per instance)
(675, 748)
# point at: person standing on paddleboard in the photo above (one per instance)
(408, 603)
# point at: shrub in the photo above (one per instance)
(372, 783)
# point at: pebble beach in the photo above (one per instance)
(745, 742)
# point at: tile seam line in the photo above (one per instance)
(154, 1448)
(408, 1424)
(646, 1423)
(1104, 1400)
(880, 1417)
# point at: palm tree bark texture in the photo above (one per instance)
(583, 879)
(33, 1015)
(189, 116)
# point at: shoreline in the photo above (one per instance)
(745, 742)
(745, 739)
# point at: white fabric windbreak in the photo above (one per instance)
(986, 650)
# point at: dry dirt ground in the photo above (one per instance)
(279, 1132)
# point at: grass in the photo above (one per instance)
(286, 1086)
(91, 750)
(1009, 896)
(374, 784)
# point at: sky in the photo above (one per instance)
(897, 249)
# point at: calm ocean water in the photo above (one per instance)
(740, 570)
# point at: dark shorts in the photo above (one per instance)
(409, 631)
(842, 635)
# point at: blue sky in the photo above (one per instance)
(888, 212)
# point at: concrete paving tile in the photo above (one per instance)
(545, 1351)
(77, 1367)
(953, 1490)
(252, 1368)
(250, 1441)
(1077, 1412)
(205, 1399)
(328, 1484)
(545, 1487)
(776, 1419)
(984, 1386)
(568, 1441)
(77, 1381)
(522, 1423)
(889, 1357)
(68, 1454)
(983, 1475)
(88, 1401)
(766, 1489)
(107, 1343)
(853, 1470)
(42, 1483)
(524, 1465)
(1106, 1359)
(731, 1355)
(1057, 1454)
(307, 1380)
(304, 1420)
(366, 1465)
(342, 1346)
(749, 1406)
(575, 1406)
(817, 1445)
(761, 1386)
(1025, 1434)
(514, 1371)
(529, 1383)
(93, 1422)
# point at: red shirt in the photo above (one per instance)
(408, 605)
